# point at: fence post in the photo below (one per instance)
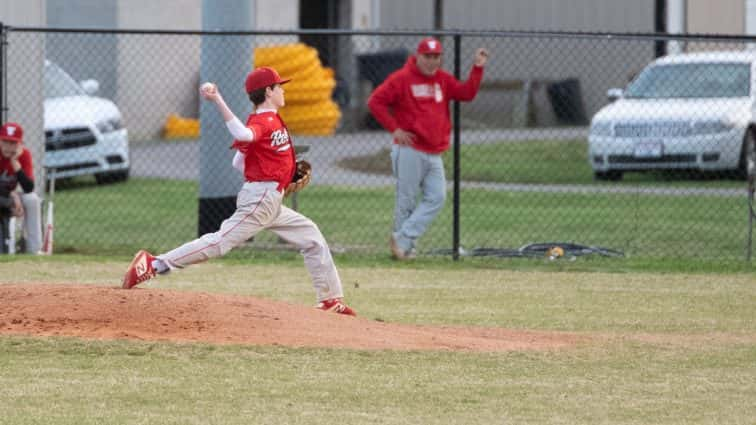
(751, 212)
(455, 221)
(3, 72)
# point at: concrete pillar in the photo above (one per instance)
(676, 12)
(750, 20)
(225, 60)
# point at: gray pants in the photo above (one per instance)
(32, 222)
(417, 173)
(258, 207)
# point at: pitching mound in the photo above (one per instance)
(97, 312)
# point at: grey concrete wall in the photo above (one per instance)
(22, 12)
(597, 64)
(401, 14)
(551, 15)
(157, 75)
(25, 97)
(719, 17)
(65, 49)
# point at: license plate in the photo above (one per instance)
(649, 149)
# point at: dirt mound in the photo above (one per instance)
(164, 315)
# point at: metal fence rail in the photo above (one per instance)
(658, 174)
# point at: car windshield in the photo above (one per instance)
(59, 84)
(692, 80)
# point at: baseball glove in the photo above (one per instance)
(301, 178)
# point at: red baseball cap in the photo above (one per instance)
(12, 132)
(263, 77)
(429, 45)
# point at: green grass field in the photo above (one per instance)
(159, 215)
(541, 162)
(660, 348)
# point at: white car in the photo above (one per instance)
(688, 111)
(84, 134)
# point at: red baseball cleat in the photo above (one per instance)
(335, 305)
(139, 270)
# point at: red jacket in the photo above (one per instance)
(8, 178)
(420, 104)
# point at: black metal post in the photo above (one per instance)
(438, 14)
(660, 26)
(457, 72)
(3, 72)
(4, 221)
(751, 214)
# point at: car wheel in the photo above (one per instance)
(112, 177)
(747, 155)
(613, 175)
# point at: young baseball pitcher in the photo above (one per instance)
(265, 154)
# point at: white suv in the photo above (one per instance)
(84, 134)
(687, 111)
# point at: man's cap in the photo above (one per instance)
(12, 132)
(429, 45)
(263, 77)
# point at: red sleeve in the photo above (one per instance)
(26, 163)
(466, 91)
(382, 99)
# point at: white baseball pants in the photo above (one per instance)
(259, 206)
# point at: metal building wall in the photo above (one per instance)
(716, 17)
(551, 15)
(402, 14)
(554, 15)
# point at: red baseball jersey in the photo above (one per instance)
(8, 179)
(270, 156)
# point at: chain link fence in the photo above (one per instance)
(573, 139)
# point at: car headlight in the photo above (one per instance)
(107, 126)
(601, 128)
(712, 127)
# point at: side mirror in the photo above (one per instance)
(90, 86)
(614, 94)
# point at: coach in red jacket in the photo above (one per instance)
(413, 104)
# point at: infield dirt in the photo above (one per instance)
(98, 312)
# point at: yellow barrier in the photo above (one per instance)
(320, 118)
(309, 108)
(287, 59)
(177, 127)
